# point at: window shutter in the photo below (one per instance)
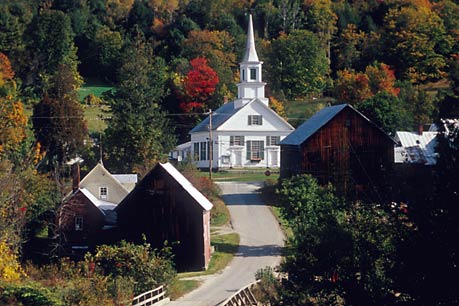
(261, 120)
(231, 140)
(262, 150)
(250, 120)
(242, 140)
(249, 153)
(268, 143)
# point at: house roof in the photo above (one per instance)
(106, 208)
(187, 186)
(417, 148)
(317, 121)
(100, 167)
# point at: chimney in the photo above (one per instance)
(76, 176)
(420, 128)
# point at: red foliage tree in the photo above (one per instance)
(199, 85)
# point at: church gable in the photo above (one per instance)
(255, 116)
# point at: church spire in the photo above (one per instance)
(251, 85)
(250, 51)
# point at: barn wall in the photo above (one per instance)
(348, 151)
(163, 211)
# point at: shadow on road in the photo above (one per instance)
(250, 199)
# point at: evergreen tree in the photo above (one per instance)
(138, 132)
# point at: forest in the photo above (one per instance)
(167, 62)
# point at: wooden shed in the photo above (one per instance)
(342, 146)
(165, 206)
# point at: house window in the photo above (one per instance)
(78, 223)
(103, 192)
(204, 149)
(272, 140)
(255, 150)
(253, 73)
(236, 140)
(255, 120)
(196, 151)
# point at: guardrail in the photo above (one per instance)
(243, 297)
(155, 297)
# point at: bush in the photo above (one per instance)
(26, 294)
(146, 268)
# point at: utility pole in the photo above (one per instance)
(210, 144)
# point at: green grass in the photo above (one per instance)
(94, 116)
(225, 247)
(181, 287)
(220, 213)
(96, 90)
(299, 111)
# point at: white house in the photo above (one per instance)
(244, 132)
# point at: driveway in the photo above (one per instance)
(261, 240)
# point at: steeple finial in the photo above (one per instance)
(250, 52)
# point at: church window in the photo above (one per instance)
(255, 150)
(272, 140)
(255, 120)
(253, 73)
(236, 140)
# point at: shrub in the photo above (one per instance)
(146, 267)
(26, 294)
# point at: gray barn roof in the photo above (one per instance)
(312, 125)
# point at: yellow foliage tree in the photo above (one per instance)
(278, 107)
(10, 269)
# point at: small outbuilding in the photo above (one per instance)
(165, 206)
(339, 145)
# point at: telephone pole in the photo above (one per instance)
(210, 144)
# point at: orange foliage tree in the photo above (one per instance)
(354, 87)
(13, 121)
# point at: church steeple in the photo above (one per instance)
(251, 85)
(250, 51)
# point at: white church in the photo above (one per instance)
(244, 132)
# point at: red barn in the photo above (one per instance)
(342, 146)
(164, 206)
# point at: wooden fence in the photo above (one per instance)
(154, 297)
(243, 297)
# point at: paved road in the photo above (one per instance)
(261, 240)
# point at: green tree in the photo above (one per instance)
(145, 267)
(339, 254)
(386, 111)
(298, 64)
(138, 133)
(416, 43)
(51, 45)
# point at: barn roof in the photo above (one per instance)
(312, 125)
(186, 184)
(417, 148)
(317, 121)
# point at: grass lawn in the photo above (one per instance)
(225, 247)
(299, 111)
(94, 115)
(96, 90)
(182, 286)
